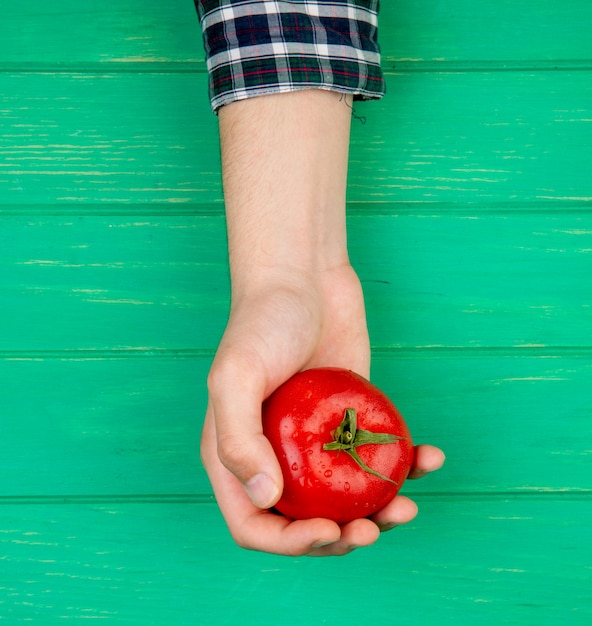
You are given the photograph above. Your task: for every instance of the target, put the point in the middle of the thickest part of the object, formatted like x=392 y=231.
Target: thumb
x=235 y=404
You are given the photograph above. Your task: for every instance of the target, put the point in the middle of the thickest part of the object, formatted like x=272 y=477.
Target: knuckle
x=232 y=452
x=242 y=541
x=298 y=551
x=218 y=376
x=235 y=367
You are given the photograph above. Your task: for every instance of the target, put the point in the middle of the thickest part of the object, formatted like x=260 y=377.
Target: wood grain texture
x=495 y=138
x=117 y=425
x=87 y=138
x=470 y=224
x=72 y=33
x=504 y=32
x=498 y=139
x=492 y=561
x=133 y=31
x=471 y=279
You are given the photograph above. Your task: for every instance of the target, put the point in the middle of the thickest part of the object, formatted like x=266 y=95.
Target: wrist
x=284 y=161
x=287 y=256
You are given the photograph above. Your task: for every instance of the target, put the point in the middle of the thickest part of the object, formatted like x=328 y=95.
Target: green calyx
x=348 y=437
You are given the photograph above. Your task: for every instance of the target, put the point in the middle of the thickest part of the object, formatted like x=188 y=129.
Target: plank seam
x=412 y=66
x=106 y=68
x=391 y=66
x=354 y=208
x=378 y=352
x=208 y=498
x=161 y=209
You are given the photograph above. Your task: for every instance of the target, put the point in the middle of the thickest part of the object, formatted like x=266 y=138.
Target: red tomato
x=308 y=421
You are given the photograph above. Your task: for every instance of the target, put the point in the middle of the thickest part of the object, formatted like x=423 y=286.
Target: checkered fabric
x=257 y=47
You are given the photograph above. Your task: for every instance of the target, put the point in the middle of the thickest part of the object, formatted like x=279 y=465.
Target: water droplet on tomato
x=294 y=467
x=309 y=451
x=328 y=474
x=346 y=486
x=329 y=484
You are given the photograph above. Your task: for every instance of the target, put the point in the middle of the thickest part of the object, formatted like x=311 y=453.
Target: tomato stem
x=348 y=437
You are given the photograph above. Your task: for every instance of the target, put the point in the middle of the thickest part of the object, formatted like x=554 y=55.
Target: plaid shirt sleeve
x=256 y=47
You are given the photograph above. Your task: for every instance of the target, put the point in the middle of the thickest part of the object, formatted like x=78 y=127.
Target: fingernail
x=262 y=491
x=322 y=544
x=389 y=526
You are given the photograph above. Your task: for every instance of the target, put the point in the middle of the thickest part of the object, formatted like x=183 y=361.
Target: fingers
x=401 y=510
x=267 y=532
x=265 y=342
x=427 y=459
x=357 y=534
x=235 y=407
x=254 y=528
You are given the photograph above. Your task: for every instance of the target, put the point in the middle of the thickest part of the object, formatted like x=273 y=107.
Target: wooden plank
x=95 y=138
x=75 y=32
x=472 y=190
x=131 y=426
x=71 y=33
x=493 y=30
x=102 y=426
x=484 y=139
x=113 y=282
x=466 y=138
x=497 y=279
x=506 y=422
x=462 y=561
x=472 y=279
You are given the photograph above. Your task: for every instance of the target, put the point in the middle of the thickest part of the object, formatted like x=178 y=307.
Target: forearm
x=284 y=162
x=296 y=302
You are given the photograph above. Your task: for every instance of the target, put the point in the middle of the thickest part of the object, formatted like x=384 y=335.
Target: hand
x=296 y=304
x=282 y=324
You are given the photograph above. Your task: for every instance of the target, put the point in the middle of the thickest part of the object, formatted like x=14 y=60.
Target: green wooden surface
x=505 y=33
x=160 y=282
x=496 y=139
x=117 y=421
x=66 y=33
x=470 y=223
x=496 y=562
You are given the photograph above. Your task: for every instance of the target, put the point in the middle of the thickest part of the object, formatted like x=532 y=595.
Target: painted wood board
x=498 y=31
x=88 y=138
x=479 y=139
x=491 y=138
x=113 y=425
x=470 y=183
x=71 y=33
x=476 y=280
x=489 y=561
x=157 y=276
x=434 y=278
